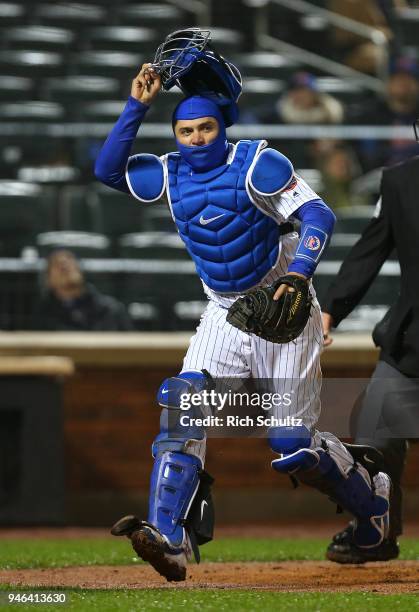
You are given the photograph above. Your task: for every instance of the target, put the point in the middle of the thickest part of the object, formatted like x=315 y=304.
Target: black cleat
x=343 y=550
x=126 y=526
x=153 y=547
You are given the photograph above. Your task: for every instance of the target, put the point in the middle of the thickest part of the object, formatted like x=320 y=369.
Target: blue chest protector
x=232 y=242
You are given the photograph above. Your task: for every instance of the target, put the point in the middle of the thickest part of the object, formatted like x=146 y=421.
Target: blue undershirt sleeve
x=112 y=159
x=317 y=223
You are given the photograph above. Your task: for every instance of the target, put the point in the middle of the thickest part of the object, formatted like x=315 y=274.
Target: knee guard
x=172 y=396
x=172 y=390
x=367 y=500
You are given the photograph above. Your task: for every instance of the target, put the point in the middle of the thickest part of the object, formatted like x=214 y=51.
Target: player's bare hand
x=146 y=84
x=286 y=288
x=327 y=326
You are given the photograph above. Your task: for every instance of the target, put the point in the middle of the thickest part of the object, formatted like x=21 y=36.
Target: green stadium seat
x=164 y=17
x=381 y=293
x=120 y=213
x=267 y=65
x=121 y=65
x=66 y=14
x=163 y=281
x=35 y=148
x=156 y=291
x=106 y=110
x=340 y=245
x=163 y=106
x=259 y=92
x=145 y=316
x=353 y=219
x=32 y=110
x=82 y=244
x=78 y=212
x=15 y=88
x=12 y=13
x=38 y=37
x=59 y=174
x=19 y=288
x=226 y=41
x=363 y=318
x=347 y=90
x=31 y=63
x=187 y=313
x=153 y=245
x=122 y=38
x=21 y=215
x=157 y=218
x=74 y=89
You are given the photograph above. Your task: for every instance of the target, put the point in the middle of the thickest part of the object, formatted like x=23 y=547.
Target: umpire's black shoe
x=343 y=550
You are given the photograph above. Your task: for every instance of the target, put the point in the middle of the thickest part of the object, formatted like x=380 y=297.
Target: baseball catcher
x=234 y=206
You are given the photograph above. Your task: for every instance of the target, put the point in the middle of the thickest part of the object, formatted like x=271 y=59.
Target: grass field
x=51 y=554
x=231 y=601
x=15 y=554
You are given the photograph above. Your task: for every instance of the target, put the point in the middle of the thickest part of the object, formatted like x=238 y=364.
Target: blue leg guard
x=163 y=540
x=176 y=525
x=174 y=483
x=179 y=457
x=352 y=490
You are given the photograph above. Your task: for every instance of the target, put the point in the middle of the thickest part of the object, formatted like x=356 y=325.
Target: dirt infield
x=289 y=576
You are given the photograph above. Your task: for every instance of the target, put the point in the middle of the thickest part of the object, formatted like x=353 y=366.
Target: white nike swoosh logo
x=206 y=221
x=203 y=504
x=368 y=460
x=164 y=391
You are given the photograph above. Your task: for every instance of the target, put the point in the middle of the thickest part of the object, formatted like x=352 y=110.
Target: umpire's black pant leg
x=371 y=429
x=394 y=453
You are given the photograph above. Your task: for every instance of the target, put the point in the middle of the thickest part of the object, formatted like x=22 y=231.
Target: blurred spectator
x=339 y=167
x=71 y=304
x=302 y=103
x=357 y=51
x=401 y=102
x=399 y=106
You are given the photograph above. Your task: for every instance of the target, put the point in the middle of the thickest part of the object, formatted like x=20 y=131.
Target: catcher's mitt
x=277 y=321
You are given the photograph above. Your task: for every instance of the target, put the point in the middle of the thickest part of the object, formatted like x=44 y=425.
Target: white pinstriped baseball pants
x=227 y=352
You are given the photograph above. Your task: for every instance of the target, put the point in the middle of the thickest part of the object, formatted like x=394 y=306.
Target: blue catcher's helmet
x=187 y=59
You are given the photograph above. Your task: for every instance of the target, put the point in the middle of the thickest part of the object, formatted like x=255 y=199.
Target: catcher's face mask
x=187 y=59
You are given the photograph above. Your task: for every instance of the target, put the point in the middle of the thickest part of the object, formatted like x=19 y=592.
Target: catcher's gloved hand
x=277 y=321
